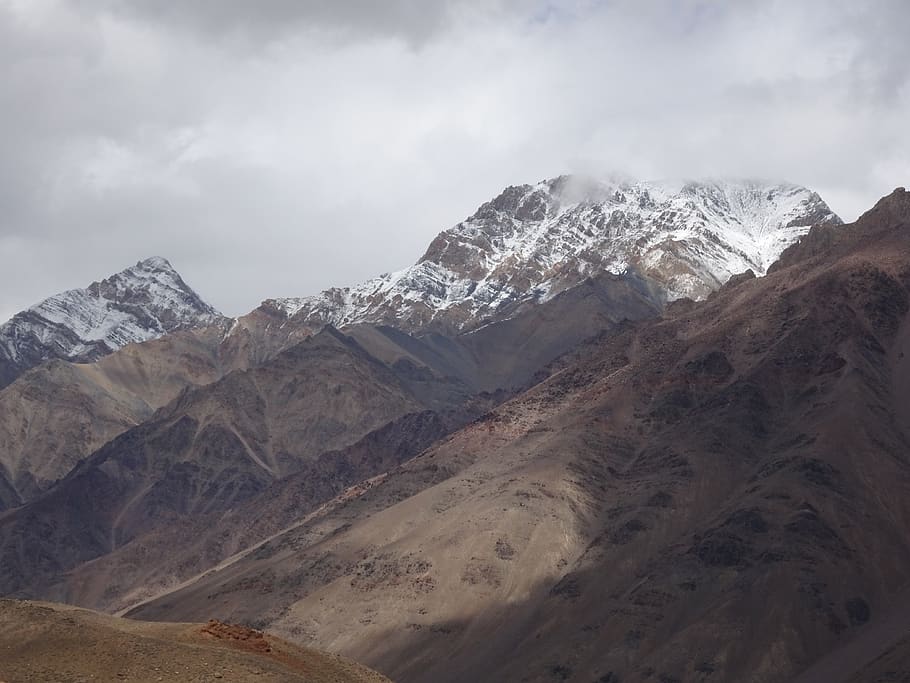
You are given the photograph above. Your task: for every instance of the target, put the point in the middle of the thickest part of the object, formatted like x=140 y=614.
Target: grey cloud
x=343 y=136
x=879 y=69
x=261 y=22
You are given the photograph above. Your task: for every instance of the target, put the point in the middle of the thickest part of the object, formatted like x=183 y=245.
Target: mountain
x=210 y=449
x=55 y=415
x=280 y=430
x=521 y=249
x=236 y=460
x=46 y=642
x=140 y=303
x=720 y=494
x=534 y=241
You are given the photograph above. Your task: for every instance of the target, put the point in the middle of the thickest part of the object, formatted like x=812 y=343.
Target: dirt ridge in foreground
x=49 y=642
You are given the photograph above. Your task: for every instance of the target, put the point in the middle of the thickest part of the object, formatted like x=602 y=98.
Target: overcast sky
x=279 y=147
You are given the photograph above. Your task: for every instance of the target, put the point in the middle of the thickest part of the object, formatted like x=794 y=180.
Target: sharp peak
x=620 y=180
x=144 y=269
x=895 y=205
x=151 y=268
x=154 y=269
x=571 y=189
x=899 y=198
x=153 y=263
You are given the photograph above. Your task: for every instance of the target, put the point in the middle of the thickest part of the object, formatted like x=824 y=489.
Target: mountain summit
x=534 y=241
x=718 y=494
x=140 y=303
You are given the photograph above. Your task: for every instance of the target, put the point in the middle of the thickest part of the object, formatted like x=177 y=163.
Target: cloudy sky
x=279 y=147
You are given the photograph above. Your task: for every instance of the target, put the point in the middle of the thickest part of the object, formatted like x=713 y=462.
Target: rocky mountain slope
x=140 y=303
x=232 y=462
x=533 y=241
x=46 y=642
x=210 y=449
x=55 y=415
x=272 y=439
x=717 y=495
x=529 y=244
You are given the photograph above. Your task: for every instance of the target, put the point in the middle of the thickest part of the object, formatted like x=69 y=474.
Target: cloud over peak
x=277 y=147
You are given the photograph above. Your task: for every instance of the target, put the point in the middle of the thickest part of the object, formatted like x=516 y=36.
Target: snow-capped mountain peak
x=533 y=241
x=142 y=302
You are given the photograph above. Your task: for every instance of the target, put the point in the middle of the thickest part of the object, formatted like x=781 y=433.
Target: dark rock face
x=713 y=364
x=857 y=611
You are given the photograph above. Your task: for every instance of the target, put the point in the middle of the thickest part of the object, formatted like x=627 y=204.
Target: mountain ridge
x=239 y=454
x=521 y=248
x=53 y=642
x=737 y=466
x=140 y=303
x=533 y=241
x=295 y=414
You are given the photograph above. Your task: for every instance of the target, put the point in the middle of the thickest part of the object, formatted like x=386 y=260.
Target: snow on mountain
x=140 y=303
x=533 y=241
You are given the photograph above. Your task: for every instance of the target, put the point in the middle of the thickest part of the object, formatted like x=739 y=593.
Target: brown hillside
x=721 y=495
x=46 y=642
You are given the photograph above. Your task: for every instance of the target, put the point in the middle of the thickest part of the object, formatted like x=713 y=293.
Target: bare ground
x=55 y=643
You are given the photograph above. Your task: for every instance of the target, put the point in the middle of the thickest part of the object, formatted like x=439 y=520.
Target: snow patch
x=140 y=303
x=533 y=241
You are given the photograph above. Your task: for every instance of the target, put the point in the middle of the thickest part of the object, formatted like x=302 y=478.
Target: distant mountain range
x=719 y=494
x=140 y=303
x=534 y=241
x=519 y=249
x=603 y=430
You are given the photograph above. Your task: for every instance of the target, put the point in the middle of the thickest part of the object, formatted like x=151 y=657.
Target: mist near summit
x=278 y=148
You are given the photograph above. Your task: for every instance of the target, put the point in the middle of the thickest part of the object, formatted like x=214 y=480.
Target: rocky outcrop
x=140 y=303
